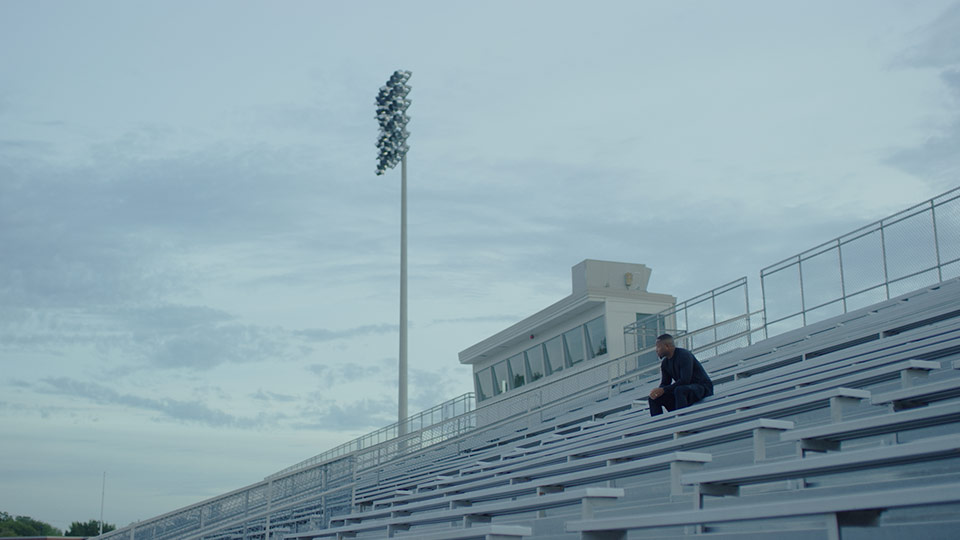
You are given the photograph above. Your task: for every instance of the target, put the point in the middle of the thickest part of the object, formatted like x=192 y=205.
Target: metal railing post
x=843 y=285
x=936 y=239
x=883 y=254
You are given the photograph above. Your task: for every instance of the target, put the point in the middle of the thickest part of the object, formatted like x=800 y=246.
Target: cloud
x=426 y=386
x=165 y=318
x=938 y=47
x=103 y=251
x=936 y=158
x=936 y=44
x=23 y=144
x=164 y=336
x=127 y=225
x=61 y=253
x=340 y=374
x=206 y=347
x=477 y=319
x=377 y=406
x=366 y=414
x=324 y=334
x=168 y=409
x=261 y=395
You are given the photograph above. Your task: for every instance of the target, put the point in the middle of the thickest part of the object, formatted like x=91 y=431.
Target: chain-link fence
x=917 y=247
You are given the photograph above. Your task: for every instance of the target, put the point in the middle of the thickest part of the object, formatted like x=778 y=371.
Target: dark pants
x=678 y=398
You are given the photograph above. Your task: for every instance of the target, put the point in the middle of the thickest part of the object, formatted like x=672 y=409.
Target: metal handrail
x=338 y=453
x=349 y=447
x=844 y=296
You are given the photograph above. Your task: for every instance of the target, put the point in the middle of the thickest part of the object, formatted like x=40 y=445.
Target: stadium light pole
x=103 y=495
x=392 y=104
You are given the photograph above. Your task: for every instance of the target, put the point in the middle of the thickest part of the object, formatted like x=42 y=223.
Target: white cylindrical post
x=402 y=401
x=103 y=493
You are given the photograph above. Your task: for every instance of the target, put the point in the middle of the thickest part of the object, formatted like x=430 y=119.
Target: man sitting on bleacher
x=683 y=381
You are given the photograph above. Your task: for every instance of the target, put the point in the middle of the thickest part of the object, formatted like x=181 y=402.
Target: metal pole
x=843 y=286
x=936 y=240
x=402 y=401
x=803 y=302
x=266 y=526
x=883 y=254
x=103 y=493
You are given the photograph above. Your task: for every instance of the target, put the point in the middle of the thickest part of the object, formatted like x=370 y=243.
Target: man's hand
x=656 y=392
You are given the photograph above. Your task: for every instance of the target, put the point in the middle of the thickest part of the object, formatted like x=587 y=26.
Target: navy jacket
x=683 y=368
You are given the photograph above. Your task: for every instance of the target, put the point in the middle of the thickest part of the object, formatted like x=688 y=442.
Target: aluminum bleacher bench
x=727 y=482
x=728 y=412
x=546 y=478
x=828 y=438
x=671 y=427
x=860 y=374
x=916 y=369
x=470 y=515
x=902 y=366
x=908 y=371
x=589 y=499
x=467 y=462
x=433 y=479
x=906 y=345
x=488 y=532
x=761 y=430
x=862 y=510
x=405 y=484
x=463 y=465
x=540 y=482
x=777 y=406
x=824 y=368
x=816 y=370
x=865 y=325
x=723 y=408
x=492 y=465
x=593 y=470
x=918 y=396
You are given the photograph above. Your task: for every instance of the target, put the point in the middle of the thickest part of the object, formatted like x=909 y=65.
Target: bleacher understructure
x=844 y=428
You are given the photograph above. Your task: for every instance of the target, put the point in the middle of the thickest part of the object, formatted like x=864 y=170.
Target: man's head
x=665 y=346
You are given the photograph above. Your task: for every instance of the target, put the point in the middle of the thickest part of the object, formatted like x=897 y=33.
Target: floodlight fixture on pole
x=392 y=104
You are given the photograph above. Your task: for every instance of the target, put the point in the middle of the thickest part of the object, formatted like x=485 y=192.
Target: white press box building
x=835 y=414
x=569 y=336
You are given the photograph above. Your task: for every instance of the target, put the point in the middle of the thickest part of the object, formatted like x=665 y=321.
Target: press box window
x=484 y=381
x=518 y=373
x=554 y=350
x=573 y=339
x=535 y=362
x=596 y=337
x=501 y=376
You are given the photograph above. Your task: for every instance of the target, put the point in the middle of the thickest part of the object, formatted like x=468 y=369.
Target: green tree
x=90 y=528
x=24 y=526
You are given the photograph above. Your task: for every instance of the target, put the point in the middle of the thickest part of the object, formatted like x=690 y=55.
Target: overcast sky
x=199 y=268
